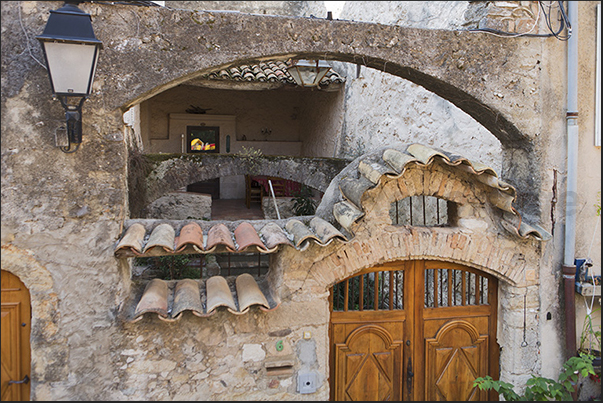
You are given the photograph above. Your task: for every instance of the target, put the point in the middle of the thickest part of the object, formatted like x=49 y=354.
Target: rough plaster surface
x=381 y=109
x=181 y=206
x=61 y=213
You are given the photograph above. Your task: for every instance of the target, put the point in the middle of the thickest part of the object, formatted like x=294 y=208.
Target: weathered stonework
x=63 y=213
x=170 y=173
x=181 y=206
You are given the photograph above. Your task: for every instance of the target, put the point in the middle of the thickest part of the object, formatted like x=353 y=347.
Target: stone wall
x=63 y=213
x=181 y=206
x=168 y=173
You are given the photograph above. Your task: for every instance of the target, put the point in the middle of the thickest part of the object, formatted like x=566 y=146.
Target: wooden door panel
x=10 y=350
x=368 y=364
x=455 y=356
x=439 y=334
x=15 y=338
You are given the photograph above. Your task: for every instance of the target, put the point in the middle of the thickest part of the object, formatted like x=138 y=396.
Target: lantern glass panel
x=308 y=75
x=71 y=67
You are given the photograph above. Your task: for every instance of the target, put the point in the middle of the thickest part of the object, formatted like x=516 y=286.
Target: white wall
x=382 y=109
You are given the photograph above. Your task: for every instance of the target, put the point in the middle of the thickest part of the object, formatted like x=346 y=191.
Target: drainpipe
x=569 y=266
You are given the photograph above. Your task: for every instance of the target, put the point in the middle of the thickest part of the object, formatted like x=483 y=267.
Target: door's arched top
x=458 y=324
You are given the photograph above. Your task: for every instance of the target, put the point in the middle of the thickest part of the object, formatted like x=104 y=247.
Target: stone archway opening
x=256 y=112
x=157 y=125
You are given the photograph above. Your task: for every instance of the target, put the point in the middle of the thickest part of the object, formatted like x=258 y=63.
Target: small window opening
x=200 y=266
x=420 y=211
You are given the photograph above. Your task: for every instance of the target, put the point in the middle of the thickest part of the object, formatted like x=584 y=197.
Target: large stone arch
x=450 y=64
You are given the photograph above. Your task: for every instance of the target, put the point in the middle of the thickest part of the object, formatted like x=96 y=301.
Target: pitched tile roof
x=270 y=71
x=391 y=162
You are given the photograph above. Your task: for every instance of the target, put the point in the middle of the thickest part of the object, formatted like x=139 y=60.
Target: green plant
x=543 y=389
x=590 y=338
x=303 y=203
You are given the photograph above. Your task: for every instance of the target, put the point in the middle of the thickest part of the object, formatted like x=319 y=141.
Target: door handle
x=409 y=375
x=25 y=380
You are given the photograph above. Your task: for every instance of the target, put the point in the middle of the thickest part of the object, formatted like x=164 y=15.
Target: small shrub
x=543 y=389
x=304 y=204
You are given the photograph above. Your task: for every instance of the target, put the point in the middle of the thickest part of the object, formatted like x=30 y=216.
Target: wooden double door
x=414 y=330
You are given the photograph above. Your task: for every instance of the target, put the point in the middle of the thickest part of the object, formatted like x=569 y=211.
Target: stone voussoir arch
x=488 y=254
x=450 y=64
x=199 y=42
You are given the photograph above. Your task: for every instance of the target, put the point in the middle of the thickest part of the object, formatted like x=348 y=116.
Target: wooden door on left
x=16 y=325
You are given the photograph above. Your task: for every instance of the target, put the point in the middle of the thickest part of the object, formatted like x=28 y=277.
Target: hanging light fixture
x=308 y=73
x=71 y=52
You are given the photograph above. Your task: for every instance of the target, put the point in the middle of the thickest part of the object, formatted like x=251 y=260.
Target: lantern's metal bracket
x=73 y=120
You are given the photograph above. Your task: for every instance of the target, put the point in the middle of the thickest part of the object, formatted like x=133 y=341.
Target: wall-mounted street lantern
x=308 y=73
x=71 y=52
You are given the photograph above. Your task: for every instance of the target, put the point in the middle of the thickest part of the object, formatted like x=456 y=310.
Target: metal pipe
x=569 y=267
x=278 y=214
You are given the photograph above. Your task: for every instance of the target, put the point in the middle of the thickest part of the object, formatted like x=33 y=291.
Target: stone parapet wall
x=181 y=206
x=285 y=207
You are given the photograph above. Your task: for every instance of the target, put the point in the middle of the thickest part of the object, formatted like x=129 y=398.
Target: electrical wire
x=564 y=24
x=27 y=39
x=564 y=21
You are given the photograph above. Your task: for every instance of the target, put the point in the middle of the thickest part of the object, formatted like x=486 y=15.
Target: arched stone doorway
x=419 y=330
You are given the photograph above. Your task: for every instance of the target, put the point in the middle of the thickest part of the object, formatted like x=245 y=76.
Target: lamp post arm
x=73 y=120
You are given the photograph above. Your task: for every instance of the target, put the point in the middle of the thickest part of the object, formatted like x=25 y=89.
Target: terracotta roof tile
x=218 y=294
x=157 y=237
x=154 y=299
x=249 y=293
x=274 y=237
x=220 y=235
x=187 y=297
x=247 y=238
x=161 y=237
x=271 y=71
x=169 y=300
x=190 y=234
x=133 y=239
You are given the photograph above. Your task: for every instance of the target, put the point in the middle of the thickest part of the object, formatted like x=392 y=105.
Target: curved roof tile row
x=271 y=71
x=157 y=237
x=162 y=239
x=393 y=163
x=169 y=300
